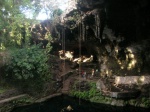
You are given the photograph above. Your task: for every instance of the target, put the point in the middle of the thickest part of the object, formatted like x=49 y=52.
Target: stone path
x=69 y=81
x=66 y=85
x=68 y=75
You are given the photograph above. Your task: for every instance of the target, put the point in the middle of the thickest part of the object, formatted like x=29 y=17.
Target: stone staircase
x=66 y=85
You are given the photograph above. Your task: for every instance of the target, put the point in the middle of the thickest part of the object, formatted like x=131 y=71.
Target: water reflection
x=69 y=104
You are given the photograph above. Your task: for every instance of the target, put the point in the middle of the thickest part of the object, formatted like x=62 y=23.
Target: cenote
x=60 y=103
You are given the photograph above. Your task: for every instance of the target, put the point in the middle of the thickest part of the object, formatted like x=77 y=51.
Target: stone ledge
x=12 y=98
x=47 y=97
x=138 y=80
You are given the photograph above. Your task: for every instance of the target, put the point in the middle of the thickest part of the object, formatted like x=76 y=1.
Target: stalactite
x=97 y=22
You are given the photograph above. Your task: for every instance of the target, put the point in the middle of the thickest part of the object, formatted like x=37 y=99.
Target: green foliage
x=92 y=92
x=15 y=26
x=29 y=62
x=48 y=48
x=2 y=90
x=146 y=102
x=57 y=12
x=29 y=67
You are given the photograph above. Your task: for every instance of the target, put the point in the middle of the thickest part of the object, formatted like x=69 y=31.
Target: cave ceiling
x=129 y=18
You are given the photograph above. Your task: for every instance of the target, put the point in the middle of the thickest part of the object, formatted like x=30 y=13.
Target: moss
x=2 y=90
x=142 y=102
x=98 y=99
x=146 y=102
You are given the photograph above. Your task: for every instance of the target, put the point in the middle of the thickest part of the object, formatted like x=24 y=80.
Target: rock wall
x=115 y=32
x=129 y=80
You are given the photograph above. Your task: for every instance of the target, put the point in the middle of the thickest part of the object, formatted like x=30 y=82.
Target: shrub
x=86 y=94
x=28 y=66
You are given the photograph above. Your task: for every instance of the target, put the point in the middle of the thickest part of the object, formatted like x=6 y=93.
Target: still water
x=60 y=104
